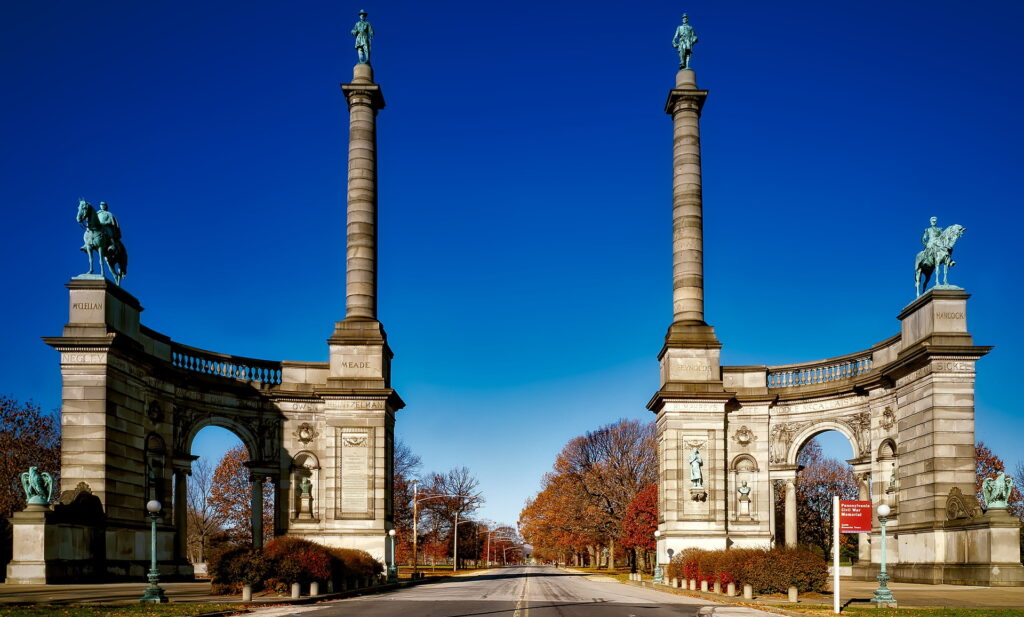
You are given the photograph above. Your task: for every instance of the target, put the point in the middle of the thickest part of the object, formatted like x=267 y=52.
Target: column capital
x=363 y=94
x=685 y=98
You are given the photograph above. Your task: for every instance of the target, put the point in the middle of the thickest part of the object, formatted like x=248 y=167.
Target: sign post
x=847 y=517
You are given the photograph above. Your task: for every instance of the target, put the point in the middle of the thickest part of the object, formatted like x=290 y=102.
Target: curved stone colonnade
x=134 y=400
x=906 y=405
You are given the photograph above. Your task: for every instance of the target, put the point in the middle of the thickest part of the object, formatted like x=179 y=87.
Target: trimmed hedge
x=767 y=571
x=287 y=560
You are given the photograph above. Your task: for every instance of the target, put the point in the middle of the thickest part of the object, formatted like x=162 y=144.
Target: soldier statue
x=684 y=40
x=103 y=236
x=363 y=32
x=938 y=253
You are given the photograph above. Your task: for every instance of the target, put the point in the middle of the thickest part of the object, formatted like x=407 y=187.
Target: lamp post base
x=883 y=597
x=155 y=594
x=659 y=574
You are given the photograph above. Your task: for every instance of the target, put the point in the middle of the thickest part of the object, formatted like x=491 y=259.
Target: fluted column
x=684 y=104
x=790 y=513
x=364 y=99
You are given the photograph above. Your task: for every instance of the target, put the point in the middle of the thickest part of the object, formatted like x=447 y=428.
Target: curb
x=326 y=597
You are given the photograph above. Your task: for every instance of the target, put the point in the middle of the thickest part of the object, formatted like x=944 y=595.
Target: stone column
x=181 y=514
x=257 y=510
x=364 y=99
x=864 y=539
x=790 y=512
x=684 y=104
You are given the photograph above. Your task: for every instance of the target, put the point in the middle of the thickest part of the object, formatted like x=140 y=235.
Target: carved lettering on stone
x=356 y=472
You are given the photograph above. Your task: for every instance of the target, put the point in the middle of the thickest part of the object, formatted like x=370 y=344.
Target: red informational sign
x=854 y=516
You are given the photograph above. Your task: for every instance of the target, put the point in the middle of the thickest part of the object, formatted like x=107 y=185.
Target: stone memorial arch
x=728 y=435
x=322 y=433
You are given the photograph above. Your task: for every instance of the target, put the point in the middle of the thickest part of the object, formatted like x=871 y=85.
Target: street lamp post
x=153 y=591
x=659 y=575
x=883 y=596
x=393 y=569
x=415 y=521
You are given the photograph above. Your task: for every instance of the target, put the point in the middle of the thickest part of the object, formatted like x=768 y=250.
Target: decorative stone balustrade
x=224 y=365
x=819 y=372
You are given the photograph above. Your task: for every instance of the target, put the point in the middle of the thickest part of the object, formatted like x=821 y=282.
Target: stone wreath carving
x=960 y=506
x=744 y=436
x=355 y=441
x=306 y=433
x=888 y=418
x=154 y=412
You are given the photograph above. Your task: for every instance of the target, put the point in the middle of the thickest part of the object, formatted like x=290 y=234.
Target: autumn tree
x=231 y=497
x=640 y=523
x=406 y=466
x=583 y=501
x=454 y=495
x=204 y=520
x=818 y=481
x=988 y=465
x=28 y=437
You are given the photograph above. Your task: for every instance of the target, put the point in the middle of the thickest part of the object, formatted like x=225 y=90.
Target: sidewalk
x=859 y=593
x=129 y=593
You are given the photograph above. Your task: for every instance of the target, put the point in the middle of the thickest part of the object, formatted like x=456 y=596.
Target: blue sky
x=525 y=199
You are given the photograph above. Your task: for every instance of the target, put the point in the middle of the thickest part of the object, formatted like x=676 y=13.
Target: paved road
x=530 y=591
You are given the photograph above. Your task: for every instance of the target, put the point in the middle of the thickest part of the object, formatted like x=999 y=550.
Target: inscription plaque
x=355 y=460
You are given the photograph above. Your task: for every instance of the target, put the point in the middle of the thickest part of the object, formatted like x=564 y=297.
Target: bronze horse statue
x=938 y=253
x=105 y=239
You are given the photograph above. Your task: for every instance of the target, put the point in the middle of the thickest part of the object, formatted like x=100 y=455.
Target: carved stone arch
x=806 y=433
x=887 y=449
x=745 y=462
x=193 y=423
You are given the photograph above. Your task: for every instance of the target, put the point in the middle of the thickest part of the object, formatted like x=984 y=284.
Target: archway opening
x=823 y=472
x=221 y=496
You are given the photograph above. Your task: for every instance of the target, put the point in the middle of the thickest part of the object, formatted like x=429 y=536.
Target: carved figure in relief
x=103 y=235
x=684 y=40
x=363 y=32
x=937 y=253
x=696 y=477
x=38 y=486
x=996 y=491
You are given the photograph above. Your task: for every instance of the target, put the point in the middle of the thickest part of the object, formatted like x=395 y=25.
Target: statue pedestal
x=306 y=507
x=28 y=564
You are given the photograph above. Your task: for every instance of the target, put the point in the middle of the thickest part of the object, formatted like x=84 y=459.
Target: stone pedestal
x=28 y=564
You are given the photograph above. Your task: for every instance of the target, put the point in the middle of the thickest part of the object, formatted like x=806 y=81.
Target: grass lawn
x=132 y=610
x=870 y=611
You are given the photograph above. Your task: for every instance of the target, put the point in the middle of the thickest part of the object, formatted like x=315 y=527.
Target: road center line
x=523 y=603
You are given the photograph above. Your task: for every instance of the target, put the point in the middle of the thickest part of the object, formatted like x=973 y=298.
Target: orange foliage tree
x=988 y=465
x=583 y=501
x=640 y=523
x=231 y=497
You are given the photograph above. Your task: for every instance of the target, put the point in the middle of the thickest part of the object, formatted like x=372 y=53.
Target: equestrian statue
x=103 y=235
x=938 y=251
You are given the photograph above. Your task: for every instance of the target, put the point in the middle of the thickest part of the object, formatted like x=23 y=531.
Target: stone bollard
x=730 y=589
x=693 y=584
x=296 y=590
x=748 y=592
x=718 y=587
x=246 y=593
x=314 y=588
x=793 y=595
x=704 y=586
